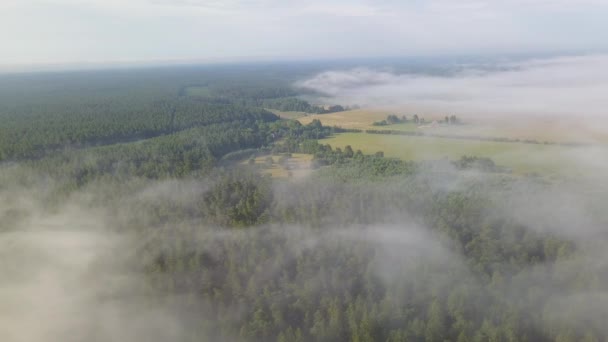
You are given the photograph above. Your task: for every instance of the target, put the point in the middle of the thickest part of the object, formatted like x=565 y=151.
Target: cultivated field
x=547 y=155
x=521 y=158
x=360 y=118
x=541 y=129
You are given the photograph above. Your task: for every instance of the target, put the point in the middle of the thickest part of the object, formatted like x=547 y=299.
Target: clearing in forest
x=295 y=165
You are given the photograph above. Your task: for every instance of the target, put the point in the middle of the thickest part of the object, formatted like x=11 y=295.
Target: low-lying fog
x=67 y=272
x=560 y=86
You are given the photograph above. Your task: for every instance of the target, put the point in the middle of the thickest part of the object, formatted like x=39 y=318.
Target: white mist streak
x=64 y=278
x=563 y=86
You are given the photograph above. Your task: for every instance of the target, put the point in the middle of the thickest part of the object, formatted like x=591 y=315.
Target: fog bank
x=555 y=86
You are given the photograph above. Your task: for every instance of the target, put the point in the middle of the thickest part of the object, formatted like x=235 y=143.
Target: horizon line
x=75 y=66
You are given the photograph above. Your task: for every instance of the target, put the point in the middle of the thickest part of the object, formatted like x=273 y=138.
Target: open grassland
x=541 y=129
x=297 y=166
x=364 y=119
x=549 y=160
x=538 y=129
x=359 y=119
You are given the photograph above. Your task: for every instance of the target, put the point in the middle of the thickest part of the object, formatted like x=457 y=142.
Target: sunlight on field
x=540 y=129
x=360 y=118
x=522 y=158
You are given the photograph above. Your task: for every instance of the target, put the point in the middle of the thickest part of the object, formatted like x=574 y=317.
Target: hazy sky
x=65 y=31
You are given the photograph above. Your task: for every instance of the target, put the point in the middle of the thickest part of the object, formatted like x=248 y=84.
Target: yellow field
x=360 y=118
x=540 y=129
x=551 y=160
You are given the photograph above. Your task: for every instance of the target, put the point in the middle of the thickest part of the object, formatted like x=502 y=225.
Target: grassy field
x=549 y=160
x=298 y=166
x=360 y=118
x=364 y=118
x=540 y=129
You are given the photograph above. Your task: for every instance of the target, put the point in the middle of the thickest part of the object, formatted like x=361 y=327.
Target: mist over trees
x=128 y=206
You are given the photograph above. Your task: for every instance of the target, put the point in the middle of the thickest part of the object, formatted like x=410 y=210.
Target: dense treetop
x=366 y=248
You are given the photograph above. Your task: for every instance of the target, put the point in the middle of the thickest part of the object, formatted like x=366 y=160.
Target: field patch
x=549 y=160
x=359 y=119
x=294 y=166
x=538 y=129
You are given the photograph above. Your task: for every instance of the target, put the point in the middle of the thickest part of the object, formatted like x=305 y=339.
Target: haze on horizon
x=93 y=32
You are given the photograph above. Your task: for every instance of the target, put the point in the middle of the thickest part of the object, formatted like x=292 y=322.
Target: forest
x=129 y=213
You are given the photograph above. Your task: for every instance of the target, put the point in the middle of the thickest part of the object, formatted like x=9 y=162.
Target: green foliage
x=391 y=119
x=238 y=201
x=174 y=155
x=40 y=129
x=333 y=282
x=367 y=248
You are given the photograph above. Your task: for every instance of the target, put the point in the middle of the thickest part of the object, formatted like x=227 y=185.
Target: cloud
x=66 y=276
x=333 y=8
x=284 y=8
x=94 y=30
x=564 y=86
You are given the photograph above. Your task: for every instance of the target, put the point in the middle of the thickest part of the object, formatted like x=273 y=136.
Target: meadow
x=536 y=128
x=358 y=119
x=541 y=148
x=521 y=158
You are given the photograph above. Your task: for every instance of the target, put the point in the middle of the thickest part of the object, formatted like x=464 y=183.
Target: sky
x=106 y=31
